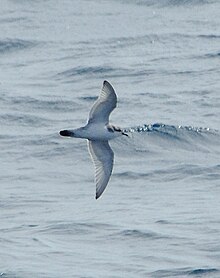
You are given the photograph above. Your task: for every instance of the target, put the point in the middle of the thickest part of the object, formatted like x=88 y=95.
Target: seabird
x=98 y=131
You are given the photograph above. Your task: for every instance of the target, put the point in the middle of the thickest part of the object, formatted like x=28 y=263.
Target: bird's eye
x=117 y=128
x=110 y=129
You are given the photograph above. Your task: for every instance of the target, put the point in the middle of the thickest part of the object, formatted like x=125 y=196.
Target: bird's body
x=98 y=131
x=94 y=131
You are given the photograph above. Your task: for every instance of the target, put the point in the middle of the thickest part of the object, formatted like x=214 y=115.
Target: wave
x=180 y=153
x=23 y=120
x=10 y=275
x=10 y=45
x=136 y=234
x=75 y=228
x=212 y=55
x=168 y=129
x=86 y=70
x=182 y=135
x=54 y=104
x=170 y=3
x=152 y=139
x=186 y=272
x=209 y=36
x=99 y=72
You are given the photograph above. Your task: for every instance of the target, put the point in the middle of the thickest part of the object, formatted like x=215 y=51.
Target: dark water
x=159 y=216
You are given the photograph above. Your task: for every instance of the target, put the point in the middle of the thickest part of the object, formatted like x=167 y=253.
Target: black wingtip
x=97 y=196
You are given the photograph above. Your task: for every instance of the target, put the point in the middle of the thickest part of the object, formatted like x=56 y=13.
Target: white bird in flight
x=98 y=131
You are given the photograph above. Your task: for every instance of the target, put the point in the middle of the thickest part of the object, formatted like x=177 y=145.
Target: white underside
x=97 y=132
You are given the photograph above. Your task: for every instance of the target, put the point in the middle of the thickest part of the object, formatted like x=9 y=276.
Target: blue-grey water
x=160 y=214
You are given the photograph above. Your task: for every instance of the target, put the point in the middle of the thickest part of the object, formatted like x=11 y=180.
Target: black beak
x=65 y=133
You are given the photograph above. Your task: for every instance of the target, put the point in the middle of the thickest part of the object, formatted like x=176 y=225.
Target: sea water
x=159 y=215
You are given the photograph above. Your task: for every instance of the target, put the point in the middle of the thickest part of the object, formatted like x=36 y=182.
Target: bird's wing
x=104 y=105
x=103 y=157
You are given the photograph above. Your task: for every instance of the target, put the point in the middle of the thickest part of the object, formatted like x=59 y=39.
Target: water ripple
x=10 y=45
x=170 y=3
x=186 y=272
x=138 y=234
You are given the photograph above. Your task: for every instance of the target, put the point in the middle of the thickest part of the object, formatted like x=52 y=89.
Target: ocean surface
x=160 y=213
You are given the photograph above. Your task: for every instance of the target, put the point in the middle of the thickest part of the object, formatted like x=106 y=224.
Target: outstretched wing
x=104 y=105
x=103 y=157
